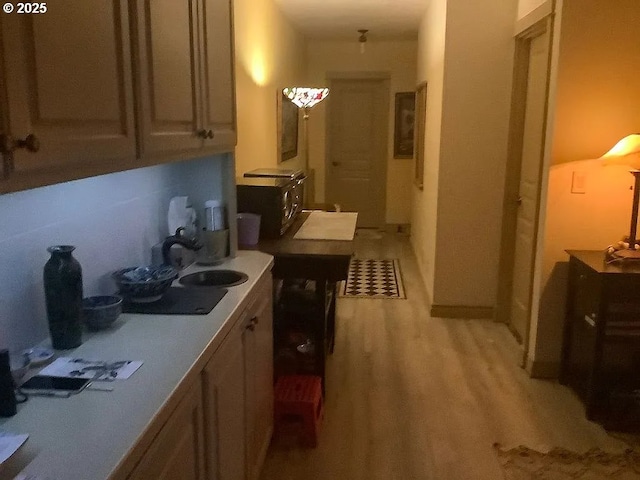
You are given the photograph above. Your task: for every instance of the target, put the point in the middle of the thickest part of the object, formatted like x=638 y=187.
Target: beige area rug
x=523 y=463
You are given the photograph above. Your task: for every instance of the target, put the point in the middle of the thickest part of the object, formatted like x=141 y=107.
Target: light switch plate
x=578 y=182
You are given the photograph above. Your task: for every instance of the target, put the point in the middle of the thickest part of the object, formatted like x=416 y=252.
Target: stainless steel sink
x=214 y=278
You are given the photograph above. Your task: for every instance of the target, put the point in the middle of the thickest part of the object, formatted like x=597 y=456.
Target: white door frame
x=512 y=177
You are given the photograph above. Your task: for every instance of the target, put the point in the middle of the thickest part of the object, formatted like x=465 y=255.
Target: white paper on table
x=74 y=367
x=328 y=226
x=10 y=443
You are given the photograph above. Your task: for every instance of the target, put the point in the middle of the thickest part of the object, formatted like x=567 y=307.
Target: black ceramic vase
x=63 y=294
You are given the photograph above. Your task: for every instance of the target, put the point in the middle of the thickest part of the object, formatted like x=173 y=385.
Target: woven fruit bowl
x=144 y=284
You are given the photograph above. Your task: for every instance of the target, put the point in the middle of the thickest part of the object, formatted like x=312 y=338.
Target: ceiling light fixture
x=362 y=39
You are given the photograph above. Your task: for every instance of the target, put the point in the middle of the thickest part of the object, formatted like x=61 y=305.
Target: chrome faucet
x=180 y=239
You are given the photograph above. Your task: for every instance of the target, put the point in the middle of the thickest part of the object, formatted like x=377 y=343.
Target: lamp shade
x=305 y=97
x=625 y=152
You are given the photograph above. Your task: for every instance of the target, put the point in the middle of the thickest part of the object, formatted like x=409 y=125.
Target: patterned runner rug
x=369 y=278
x=522 y=463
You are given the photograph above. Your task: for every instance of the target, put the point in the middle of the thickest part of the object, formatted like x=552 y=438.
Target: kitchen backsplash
x=113 y=220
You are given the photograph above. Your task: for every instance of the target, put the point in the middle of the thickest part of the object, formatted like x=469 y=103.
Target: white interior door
x=529 y=187
x=357 y=122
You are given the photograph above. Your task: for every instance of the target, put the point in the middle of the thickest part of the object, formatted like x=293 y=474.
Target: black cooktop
x=180 y=301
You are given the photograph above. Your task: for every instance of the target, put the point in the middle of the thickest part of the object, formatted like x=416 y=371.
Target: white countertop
x=86 y=436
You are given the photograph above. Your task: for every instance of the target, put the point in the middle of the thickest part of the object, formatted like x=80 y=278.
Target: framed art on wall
x=404 y=125
x=287 y=128
x=420 y=120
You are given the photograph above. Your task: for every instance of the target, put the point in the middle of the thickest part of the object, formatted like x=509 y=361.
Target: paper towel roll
x=180 y=214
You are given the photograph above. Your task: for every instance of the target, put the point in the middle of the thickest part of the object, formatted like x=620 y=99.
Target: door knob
x=209 y=133
x=519 y=201
x=335 y=164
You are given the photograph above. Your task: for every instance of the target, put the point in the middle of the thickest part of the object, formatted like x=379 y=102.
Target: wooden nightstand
x=601 y=343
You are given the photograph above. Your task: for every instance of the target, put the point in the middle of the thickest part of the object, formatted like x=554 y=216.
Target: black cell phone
x=45 y=384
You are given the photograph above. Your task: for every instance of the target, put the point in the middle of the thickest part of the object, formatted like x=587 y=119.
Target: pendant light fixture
x=362 y=39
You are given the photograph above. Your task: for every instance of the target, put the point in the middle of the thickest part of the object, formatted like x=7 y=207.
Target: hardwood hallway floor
x=415 y=397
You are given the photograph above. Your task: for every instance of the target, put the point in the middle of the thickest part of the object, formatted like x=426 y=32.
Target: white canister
x=214 y=215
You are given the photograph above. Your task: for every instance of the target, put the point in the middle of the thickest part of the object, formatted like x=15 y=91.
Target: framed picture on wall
x=288 y=118
x=405 y=114
x=420 y=121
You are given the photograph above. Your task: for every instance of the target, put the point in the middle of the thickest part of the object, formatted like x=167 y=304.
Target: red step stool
x=298 y=401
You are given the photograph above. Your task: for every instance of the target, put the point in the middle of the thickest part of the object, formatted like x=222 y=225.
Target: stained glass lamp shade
x=305 y=97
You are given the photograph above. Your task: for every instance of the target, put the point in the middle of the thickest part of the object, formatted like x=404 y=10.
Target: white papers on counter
x=328 y=226
x=10 y=443
x=74 y=367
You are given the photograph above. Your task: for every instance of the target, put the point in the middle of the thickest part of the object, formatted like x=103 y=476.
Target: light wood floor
x=414 y=397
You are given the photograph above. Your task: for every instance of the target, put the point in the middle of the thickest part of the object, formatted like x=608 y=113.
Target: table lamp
x=627 y=152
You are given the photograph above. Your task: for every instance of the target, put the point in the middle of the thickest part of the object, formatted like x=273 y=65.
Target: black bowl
x=101 y=311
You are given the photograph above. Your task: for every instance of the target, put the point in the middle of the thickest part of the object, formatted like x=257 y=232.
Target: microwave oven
x=278 y=201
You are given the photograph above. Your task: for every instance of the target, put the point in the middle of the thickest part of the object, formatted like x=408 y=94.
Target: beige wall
x=525 y=7
x=398 y=59
x=476 y=90
x=598 y=77
x=270 y=54
x=596 y=104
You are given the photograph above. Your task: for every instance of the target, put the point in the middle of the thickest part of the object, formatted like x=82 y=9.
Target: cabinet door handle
x=202 y=133
x=8 y=144
x=252 y=324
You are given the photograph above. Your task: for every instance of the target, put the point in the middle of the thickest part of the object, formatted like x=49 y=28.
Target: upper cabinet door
x=67 y=87
x=169 y=87
x=217 y=72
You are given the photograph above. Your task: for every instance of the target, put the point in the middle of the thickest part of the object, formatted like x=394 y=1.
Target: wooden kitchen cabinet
x=184 y=55
x=177 y=452
x=66 y=85
x=217 y=73
x=224 y=400
x=238 y=393
x=258 y=347
x=88 y=88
